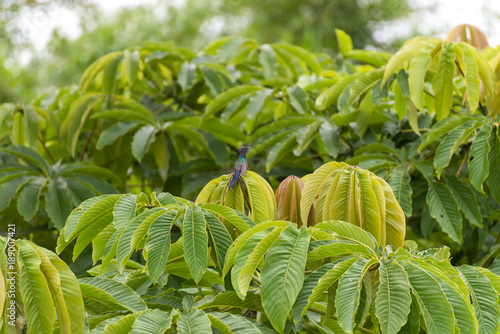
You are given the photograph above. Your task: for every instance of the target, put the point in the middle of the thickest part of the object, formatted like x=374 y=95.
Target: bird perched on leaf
x=240 y=166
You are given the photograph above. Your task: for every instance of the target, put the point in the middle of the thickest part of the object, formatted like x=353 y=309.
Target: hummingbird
x=240 y=166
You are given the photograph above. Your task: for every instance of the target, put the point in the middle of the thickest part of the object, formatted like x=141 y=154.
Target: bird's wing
x=243 y=169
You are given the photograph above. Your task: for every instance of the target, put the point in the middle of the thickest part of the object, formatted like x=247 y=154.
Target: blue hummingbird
x=240 y=166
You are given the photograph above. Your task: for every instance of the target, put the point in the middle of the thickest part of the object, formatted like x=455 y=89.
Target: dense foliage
x=419 y=132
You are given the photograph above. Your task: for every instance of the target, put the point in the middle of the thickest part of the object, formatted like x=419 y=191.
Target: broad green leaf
x=329 y=278
x=399 y=180
x=225 y=98
x=111 y=134
x=283 y=274
x=412 y=116
x=31 y=127
x=220 y=238
x=493 y=179
x=142 y=140
x=437 y=311
x=232 y=323
x=306 y=136
x=362 y=85
x=330 y=135
x=230 y=299
x=444 y=208
x=195 y=241
x=162 y=154
x=484 y=299
x=466 y=200
x=331 y=95
x=37 y=299
x=443 y=82
x=58 y=204
x=348 y=294
x=241 y=222
x=30 y=156
x=442 y=128
x=298 y=99
x=302 y=55
x=118 y=325
x=451 y=142
x=27 y=204
x=158 y=244
x=152 y=322
x=392 y=305
x=344 y=42
x=248 y=267
x=478 y=157
x=256 y=103
x=404 y=55
x=109 y=75
x=348 y=231
x=123 y=295
x=194 y=322
x=416 y=73
x=472 y=83
x=267 y=59
x=130 y=66
x=280 y=150
x=124 y=210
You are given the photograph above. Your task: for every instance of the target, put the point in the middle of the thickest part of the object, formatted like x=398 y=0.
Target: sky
x=37 y=24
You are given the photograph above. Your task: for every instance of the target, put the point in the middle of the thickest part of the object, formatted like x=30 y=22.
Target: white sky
x=38 y=24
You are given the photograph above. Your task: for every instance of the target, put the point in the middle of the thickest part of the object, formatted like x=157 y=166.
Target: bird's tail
x=236 y=175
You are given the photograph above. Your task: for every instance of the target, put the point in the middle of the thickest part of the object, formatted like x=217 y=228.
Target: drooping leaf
x=142 y=140
x=399 y=180
x=443 y=82
x=195 y=241
x=58 y=203
x=225 y=98
x=478 y=157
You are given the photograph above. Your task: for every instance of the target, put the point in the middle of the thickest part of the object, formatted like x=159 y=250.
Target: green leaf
x=27 y=204
x=443 y=82
x=348 y=294
x=344 y=42
x=437 y=311
x=194 y=322
x=451 y=142
x=472 y=83
x=239 y=221
x=31 y=128
x=30 y=156
x=416 y=74
x=493 y=179
x=361 y=86
x=111 y=134
x=280 y=150
x=109 y=75
x=399 y=180
x=152 y=322
x=195 y=241
x=484 y=299
x=230 y=299
x=225 y=98
x=407 y=51
x=392 y=305
x=444 y=208
x=298 y=99
x=130 y=66
x=337 y=248
x=442 y=128
x=58 y=204
x=478 y=158
x=142 y=140
x=466 y=200
x=120 y=324
x=162 y=154
x=268 y=61
x=330 y=135
x=283 y=274
x=302 y=55
x=37 y=299
x=306 y=136
x=220 y=237
x=231 y=323
x=412 y=116
x=349 y=231
x=331 y=95
x=158 y=244
x=123 y=295
x=124 y=210
x=256 y=103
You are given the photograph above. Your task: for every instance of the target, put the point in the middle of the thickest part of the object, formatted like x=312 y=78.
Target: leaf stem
x=462 y=164
x=88 y=141
x=46 y=150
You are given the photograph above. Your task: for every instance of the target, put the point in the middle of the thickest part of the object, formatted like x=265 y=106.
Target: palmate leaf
x=478 y=157
x=436 y=309
x=444 y=208
x=393 y=298
x=416 y=73
x=493 y=179
x=194 y=322
x=283 y=274
x=443 y=82
x=225 y=98
x=158 y=244
x=347 y=298
x=484 y=299
x=451 y=142
x=466 y=200
x=37 y=299
x=195 y=241
x=231 y=323
x=121 y=293
x=399 y=180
